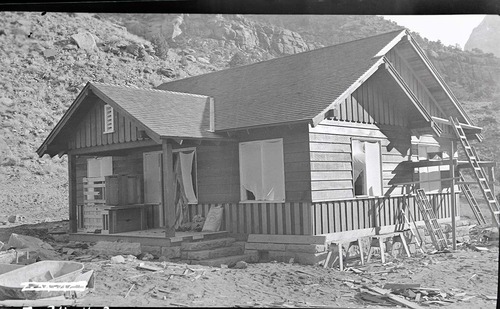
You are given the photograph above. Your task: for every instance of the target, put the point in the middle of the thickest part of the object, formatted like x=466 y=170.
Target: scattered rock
x=240 y=265
x=84 y=40
x=168 y=72
x=147 y=257
x=191 y=58
x=50 y=54
x=203 y=60
x=16 y=218
x=118 y=259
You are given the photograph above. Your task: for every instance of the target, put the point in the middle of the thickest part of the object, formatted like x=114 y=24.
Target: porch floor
x=151 y=237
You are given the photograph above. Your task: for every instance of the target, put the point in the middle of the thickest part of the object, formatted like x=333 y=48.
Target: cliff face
x=45 y=60
x=485 y=37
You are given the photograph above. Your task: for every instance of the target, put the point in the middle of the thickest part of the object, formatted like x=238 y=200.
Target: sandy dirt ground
x=464 y=278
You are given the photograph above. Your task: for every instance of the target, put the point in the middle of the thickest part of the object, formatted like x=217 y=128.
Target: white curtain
x=273 y=188
x=358 y=158
x=262 y=170
x=100 y=167
x=186 y=160
x=251 y=170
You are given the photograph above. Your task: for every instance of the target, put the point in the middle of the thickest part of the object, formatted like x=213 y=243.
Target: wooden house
x=326 y=142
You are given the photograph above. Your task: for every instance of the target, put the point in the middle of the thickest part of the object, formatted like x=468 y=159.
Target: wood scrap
x=145 y=266
x=400 y=286
x=126 y=295
x=395 y=298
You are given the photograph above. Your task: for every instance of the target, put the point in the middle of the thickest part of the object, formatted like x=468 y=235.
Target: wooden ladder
x=425 y=208
x=479 y=173
x=472 y=201
x=415 y=233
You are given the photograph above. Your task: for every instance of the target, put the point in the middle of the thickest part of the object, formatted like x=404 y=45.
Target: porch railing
x=306 y=218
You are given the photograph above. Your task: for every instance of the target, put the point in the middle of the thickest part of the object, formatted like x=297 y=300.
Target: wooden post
x=73 y=224
x=453 y=199
x=168 y=189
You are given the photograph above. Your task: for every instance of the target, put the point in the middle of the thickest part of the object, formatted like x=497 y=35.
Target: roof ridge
x=282 y=57
x=149 y=89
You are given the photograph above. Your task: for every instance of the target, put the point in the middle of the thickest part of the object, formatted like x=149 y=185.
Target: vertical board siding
x=353 y=214
x=371 y=104
x=89 y=131
x=260 y=218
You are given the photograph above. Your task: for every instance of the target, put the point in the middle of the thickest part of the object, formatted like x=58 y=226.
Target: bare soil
x=467 y=277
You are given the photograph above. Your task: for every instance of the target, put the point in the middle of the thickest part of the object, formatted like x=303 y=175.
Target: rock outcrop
x=485 y=36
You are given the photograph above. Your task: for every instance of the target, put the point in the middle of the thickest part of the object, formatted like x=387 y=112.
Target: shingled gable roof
x=164 y=114
x=295 y=88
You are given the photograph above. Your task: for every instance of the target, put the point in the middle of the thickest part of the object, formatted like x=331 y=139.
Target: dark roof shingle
x=168 y=114
x=288 y=89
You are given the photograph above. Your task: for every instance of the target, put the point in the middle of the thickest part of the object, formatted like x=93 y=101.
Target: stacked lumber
x=303 y=249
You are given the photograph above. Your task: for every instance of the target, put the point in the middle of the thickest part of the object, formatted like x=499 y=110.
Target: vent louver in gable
x=108 y=119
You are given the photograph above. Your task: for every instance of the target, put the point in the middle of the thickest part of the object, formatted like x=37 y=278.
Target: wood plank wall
x=261 y=218
x=89 y=131
x=331 y=157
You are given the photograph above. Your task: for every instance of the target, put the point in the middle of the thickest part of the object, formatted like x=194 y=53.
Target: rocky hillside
x=485 y=36
x=45 y=60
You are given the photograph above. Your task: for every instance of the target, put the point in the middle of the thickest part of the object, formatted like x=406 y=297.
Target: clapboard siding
x=331 y=157
x=89 y=130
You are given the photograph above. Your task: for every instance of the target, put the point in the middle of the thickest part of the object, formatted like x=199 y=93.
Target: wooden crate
x=91 y=217
x=123 y=189
x=94 y=190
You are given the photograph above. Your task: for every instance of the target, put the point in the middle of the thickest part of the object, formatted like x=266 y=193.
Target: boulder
x=168 y=72
x=240 y=265
x=85 y=40
x=36 y=246
x=118 y=259
x=116 y=248
x=50 y=53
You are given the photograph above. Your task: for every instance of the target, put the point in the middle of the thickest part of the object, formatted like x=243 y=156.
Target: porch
x=336 y=217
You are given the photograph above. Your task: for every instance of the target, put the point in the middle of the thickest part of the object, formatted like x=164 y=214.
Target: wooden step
x=207 y=244
x=212 y=253
x=217 y=262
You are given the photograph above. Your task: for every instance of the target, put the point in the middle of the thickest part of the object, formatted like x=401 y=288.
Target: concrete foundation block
x=306 y=248
x=154 y=250
x=265 y=246
x=171 y=252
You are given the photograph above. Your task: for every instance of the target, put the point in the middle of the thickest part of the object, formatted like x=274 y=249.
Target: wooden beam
x=72 y=202
x=453 y=198
x=112 y=147
x=426 y=163
x=422 y=181
x=470 y=128
x=168 y=189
